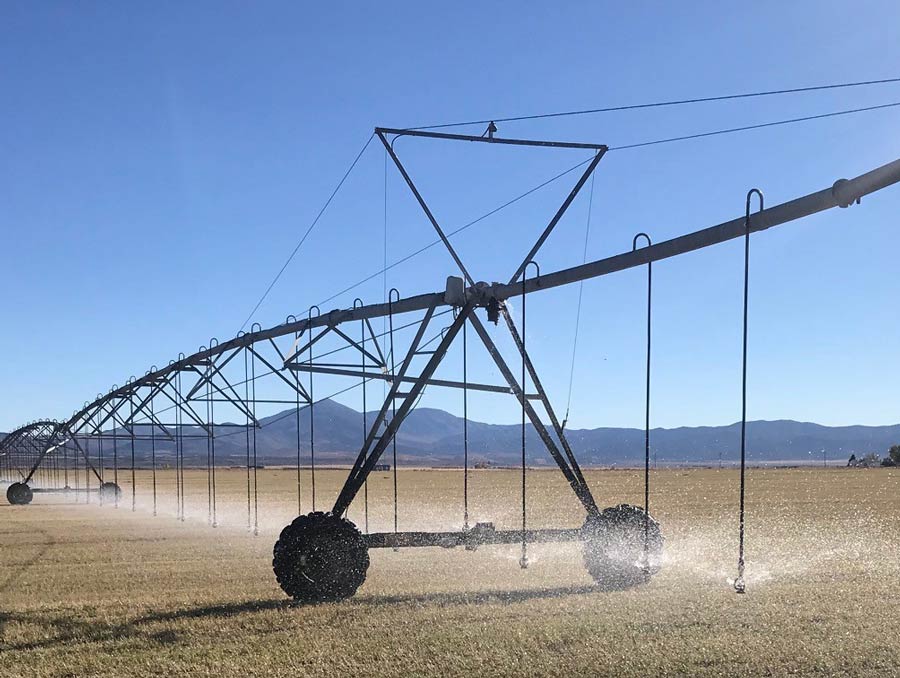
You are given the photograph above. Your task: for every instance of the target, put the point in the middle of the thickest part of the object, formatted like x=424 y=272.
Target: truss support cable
x=387 y=267
x=418 y=196
x=587 y=235
x=645 y=559
x=762 y=125
x=739 y=583
x=659 y=104
x=308 y=231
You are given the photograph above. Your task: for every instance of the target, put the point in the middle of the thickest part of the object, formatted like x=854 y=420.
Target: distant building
x=381 y=467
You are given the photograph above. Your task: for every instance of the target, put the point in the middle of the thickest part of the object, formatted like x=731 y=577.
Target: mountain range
x=433 y=437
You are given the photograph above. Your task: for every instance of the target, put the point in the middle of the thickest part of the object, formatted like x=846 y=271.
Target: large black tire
x=614 y=547
x=320 y=557
x=110 y=492
x=19 y=494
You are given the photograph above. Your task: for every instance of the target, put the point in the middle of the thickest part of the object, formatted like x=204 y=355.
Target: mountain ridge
x=434 y=437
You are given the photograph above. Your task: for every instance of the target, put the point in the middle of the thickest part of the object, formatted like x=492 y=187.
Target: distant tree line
x=874 y=459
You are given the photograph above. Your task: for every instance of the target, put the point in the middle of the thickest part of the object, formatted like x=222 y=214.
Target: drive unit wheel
x=19 y=494
x=614 y=547
x=320 y=557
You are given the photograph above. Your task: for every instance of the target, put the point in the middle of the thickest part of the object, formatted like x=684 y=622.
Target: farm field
x=87 y=590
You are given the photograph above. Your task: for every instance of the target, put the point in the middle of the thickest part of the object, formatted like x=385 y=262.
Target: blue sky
x=161 y=160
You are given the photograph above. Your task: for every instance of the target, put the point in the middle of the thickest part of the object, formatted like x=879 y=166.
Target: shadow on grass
x=19 y=569
x=69 y=628
x=489 y=596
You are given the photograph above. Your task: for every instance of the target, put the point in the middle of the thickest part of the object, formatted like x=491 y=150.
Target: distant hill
x=432 y=437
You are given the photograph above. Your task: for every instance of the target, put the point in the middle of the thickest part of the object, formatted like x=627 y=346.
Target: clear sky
x=160 y=160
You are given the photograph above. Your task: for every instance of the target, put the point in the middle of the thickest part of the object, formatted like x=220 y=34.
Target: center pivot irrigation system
x=323 y=555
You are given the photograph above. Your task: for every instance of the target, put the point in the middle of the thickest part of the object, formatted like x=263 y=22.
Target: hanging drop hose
x=100 y=458
x=523 y=561
x=179 y=448
x=209 y=488
x=133 y=475
x=247 y=435
x=739 y=583
x=362 y=343
x=587 y=235
x=645 y=558
x=212 y=430
x=393 y=399
x=75 y=469
x=255 y=465
x=152 y=453
x=312 y=421
x=115 y=460
x=181 y=451
x=465 y=426
x=291 y=318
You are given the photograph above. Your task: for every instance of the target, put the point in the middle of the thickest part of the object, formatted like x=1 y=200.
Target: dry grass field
x=90 y=590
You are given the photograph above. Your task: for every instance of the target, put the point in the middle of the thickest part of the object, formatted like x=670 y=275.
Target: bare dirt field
x=87 y=590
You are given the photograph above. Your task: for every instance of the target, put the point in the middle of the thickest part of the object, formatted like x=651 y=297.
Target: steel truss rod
x=470 y=538
x=236 y=402
x=214 y=367
x=155 y=422
x=117 y=418
x=49 y=447
x=296 y=386
x=111 y=414
x=582 y=491
x=359 y=348
x=367 y=459
x=297 y=349
x=362 y=466
x=415 y=191
x=489 y=388
x=842 y=194
x=39 y=444
x=559 y=214
x=490 y=139
x=182 y=406
x=542 y=394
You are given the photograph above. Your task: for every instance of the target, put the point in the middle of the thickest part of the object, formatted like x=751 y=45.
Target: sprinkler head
x=644 y=564
x=493 y=311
